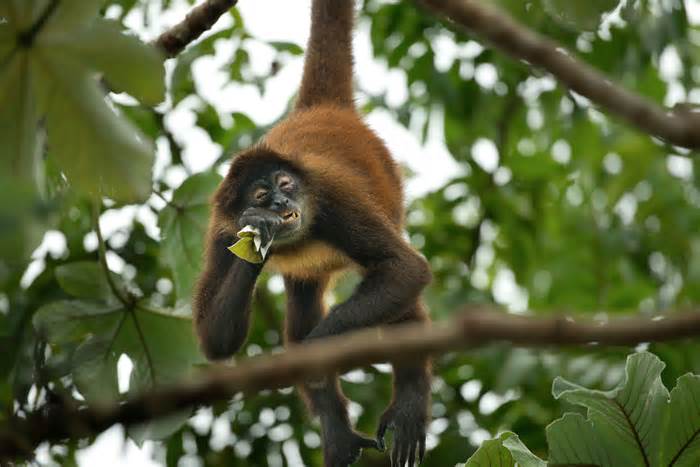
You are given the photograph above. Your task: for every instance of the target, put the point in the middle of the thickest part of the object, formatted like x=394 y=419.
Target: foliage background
x=553 y=207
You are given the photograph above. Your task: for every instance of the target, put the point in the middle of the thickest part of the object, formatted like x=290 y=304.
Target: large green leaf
x=75 y=320
x=183 y=225
x=22 y=220
x=629 y=419
x=20 y=136
x=97 y=150
x=161 y=346
x=682 y=437
x=127 y=63
x=165 y=354
x=95 y=370
x=574 y=441
x=84 y=279
x=505 y=451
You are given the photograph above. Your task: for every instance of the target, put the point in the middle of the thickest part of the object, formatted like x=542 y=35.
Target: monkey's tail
x=328 y=69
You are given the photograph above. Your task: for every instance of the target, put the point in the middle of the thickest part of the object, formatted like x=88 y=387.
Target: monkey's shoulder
x=308 y=259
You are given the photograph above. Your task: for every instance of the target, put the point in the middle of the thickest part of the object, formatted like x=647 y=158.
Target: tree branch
x=495 y=26
x=470 y=328
x=200 y=19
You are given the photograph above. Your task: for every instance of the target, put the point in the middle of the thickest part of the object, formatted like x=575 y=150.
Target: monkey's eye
x=260 y=194
x=285 y=182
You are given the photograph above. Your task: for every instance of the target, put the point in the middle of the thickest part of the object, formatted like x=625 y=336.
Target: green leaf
x=21 y=140
x=161 y=346
x=166 y=353
x=183 y=225
x=629 y=418
x=572 y=440
x=522 y=455
x=22 y=220
x=84 y=279
x=682 y=439
x=95 y=370
x=72 y=14
x=504 y=451
x=128 y=64
x=160 y=428
x=581 y=15
x=289 y=47
x=74 y=320
x=98 y=151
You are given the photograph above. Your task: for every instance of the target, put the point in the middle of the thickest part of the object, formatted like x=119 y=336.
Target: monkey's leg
x=407 y=415
x=341 y=445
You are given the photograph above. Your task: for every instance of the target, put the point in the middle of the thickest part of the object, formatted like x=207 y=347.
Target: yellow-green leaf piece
x=245 y=249
x=248 y=248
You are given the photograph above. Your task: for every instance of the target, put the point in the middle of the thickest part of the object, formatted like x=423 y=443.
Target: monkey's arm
x=222 y=300
x=394 y=277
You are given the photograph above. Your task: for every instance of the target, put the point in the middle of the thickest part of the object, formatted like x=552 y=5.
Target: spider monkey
x=324 y=188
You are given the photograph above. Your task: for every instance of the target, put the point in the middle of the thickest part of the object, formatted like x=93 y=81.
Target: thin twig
x=496 y=27
x=470 y=328
x=102 y=253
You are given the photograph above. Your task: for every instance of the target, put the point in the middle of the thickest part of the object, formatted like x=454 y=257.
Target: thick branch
x=200 y=19
x=470 y=328
x=680 y=129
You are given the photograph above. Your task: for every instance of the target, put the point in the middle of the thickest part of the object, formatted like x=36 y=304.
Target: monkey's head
x=262 y=179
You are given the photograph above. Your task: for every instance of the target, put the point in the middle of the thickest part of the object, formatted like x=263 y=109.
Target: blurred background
x=519 y=192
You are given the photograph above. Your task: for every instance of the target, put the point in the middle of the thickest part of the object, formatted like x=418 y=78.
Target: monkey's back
x=335 y=143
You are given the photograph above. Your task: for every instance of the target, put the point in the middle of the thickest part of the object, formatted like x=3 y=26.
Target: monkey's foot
x=343 y=446
x=408 y=424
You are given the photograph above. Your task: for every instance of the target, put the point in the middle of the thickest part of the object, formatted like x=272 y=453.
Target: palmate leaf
x=183 y=225
x=630 y=418
x=505 y=451
x=56 y=77
x=160 y=344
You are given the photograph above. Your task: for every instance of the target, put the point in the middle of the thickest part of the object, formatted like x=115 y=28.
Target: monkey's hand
x=407 y=418
x=267 y=222
x=342 y=445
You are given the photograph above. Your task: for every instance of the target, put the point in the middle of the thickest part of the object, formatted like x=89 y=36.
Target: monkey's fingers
x=381 y=432
x=394 y=456
x=412 y=455
x=365 y=442
x=421 y=449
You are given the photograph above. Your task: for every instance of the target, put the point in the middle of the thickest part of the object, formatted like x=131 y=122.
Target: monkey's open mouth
x=291 y=216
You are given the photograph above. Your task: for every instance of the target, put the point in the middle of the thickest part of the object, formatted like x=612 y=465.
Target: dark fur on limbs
x=349 y=194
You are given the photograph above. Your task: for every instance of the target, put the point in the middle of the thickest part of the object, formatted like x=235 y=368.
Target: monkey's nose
x=280 y=203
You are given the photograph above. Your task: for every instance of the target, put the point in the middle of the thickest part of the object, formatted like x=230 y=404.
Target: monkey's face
x=280 y=192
